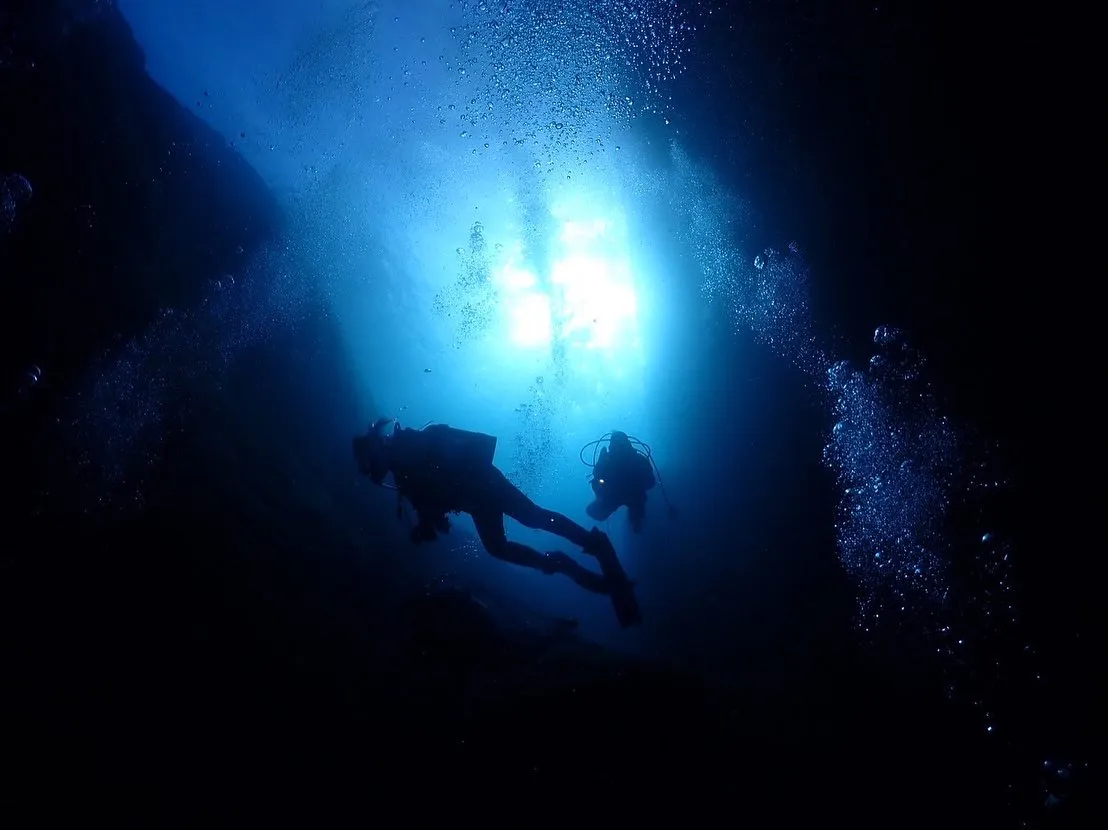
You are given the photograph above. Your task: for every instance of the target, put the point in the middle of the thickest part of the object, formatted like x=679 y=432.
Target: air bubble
x=15 y=191
x=887 y=336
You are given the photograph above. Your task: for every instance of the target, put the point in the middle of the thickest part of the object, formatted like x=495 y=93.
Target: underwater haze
x=513 y=238
x=546 y=220
x=508 y=232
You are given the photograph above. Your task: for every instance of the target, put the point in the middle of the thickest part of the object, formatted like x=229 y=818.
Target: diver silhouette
x=620 y=477
x=440 y=469
x=622 y=474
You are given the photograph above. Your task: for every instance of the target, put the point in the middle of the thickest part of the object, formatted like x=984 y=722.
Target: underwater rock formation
x=117 y=201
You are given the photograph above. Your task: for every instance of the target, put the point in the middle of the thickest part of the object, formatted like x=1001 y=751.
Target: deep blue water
x=758 y=237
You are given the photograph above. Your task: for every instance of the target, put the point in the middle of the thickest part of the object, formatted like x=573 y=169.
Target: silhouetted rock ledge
x=120 y=200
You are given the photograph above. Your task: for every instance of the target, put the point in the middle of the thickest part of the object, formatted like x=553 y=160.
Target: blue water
x=499 y=215
x=512 y=237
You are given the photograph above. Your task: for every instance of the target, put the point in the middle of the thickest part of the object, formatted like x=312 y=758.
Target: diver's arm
x=423 y=530
x=429 y=524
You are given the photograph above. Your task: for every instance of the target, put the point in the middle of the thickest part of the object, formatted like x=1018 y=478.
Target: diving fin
x=621 y=590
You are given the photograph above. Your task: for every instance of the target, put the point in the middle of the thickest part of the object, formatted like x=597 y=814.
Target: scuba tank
x=459 y=449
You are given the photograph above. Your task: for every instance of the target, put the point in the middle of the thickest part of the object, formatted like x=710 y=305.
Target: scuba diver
x=622 y=474
x=440 y=470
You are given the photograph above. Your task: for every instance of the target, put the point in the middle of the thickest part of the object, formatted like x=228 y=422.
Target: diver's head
x=371 y=449
x=620 y=440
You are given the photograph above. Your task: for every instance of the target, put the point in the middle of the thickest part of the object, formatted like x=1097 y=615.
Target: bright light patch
x=530 y=326
x=525 y=305
x=576 y=233
x=515 y=279
x=587 y=299
x=597 y=300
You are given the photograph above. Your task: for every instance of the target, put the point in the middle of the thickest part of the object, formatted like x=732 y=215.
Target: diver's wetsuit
x=437 y=470
x=621 y=477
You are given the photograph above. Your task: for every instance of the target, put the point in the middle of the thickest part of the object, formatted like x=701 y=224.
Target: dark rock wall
x=135 y=202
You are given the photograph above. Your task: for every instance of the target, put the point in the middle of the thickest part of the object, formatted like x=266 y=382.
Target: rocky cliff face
x=115 y=200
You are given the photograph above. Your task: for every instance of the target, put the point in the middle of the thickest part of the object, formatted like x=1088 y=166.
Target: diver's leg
x=512 y=501
x=636 y=513
x=490 y=528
